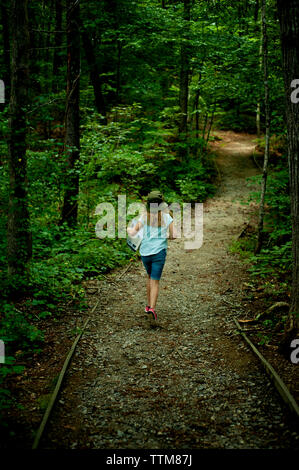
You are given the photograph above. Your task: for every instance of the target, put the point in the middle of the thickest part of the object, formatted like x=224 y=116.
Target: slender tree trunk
x=256 y=10
x=72 y=117
x=94 y=73
x=47 y=54
x=35 y=43
x=267 y=136
x=258 y=119
x=258 y=107
x=184 y=75
x=196 y=102
x=18 y=230
x=205 y=125
x=184 y=80
x=118 y=65
x=288 y=11
x=6 y=52
x=211 y=124
x=112 y=7
x=57 y=59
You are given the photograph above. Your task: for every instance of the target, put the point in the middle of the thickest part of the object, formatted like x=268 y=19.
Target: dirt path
x=190 y=382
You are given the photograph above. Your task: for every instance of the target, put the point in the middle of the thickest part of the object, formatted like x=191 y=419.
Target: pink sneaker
x=152 y=311
x=147 y=309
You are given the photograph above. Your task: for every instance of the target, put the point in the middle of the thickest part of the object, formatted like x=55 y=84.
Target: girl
x=153 y=248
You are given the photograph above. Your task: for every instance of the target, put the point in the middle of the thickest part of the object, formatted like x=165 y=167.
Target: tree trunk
x=267 y=136
x=288 y=11
x=6 y=52
x=210 y=124
x=184 y=80
x=35 y=44
x=118 y=65
x=205 y=125
x=196 y=102
x=57 y=59
x=72 y=115
x=18 y=229
x=258 y=107
x=256 y=10
x=94 y=73
x=184 y=75
x=113 y=8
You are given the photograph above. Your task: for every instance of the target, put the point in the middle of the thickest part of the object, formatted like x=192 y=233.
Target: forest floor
x=187 y=381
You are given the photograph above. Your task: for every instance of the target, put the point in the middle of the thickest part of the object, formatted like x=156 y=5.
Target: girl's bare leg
x=148 y=290
x=154 y=291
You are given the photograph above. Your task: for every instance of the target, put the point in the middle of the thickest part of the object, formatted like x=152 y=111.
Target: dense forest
x=102 y=98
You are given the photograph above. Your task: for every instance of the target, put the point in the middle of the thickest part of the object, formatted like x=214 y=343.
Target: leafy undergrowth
x=270 y=282
x=267 y=294
x=270 y=269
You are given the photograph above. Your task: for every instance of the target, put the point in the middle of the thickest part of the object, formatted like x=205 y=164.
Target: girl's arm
x=171 y=232
x=133 y=230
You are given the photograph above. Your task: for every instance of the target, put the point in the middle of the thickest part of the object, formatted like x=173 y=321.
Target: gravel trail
x=188 y=381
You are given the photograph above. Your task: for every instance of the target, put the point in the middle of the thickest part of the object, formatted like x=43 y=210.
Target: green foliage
x=264 y=339
x=277 y=217
x=193 y=181
x=274 y=261
x=75 y=256
x=127 y=166
x=244 y=247
x=17 y=332
x=20 y=337
x=236 y=121
x=271 y=268
x=134 y=153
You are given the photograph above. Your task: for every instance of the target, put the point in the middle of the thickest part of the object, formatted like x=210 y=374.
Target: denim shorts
x=154 y=264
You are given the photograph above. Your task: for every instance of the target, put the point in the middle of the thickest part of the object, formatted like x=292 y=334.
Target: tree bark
x=288 y=12
x=118 y=69
x=18 y=229
x=94 y=73
x=6 y=52
x=112 y=8
x=184 y=76
x=184 y=85
x=211 y=124
x=57 y=59
x=267 y=135
x=258 y=107
x=72 y=116
x=196 y=102
x=256 y=10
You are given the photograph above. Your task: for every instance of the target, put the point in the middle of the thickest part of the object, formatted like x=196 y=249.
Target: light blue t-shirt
x=154 y=238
